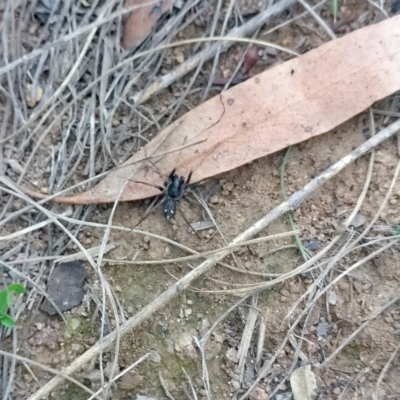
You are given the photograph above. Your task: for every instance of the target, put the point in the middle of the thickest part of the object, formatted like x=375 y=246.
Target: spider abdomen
x=170 y=205
x=175 y=188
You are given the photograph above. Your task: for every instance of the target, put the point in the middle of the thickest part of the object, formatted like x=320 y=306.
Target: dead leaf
x=287 y=104
x=142 y=20
x=250 y=59
x=303 y=383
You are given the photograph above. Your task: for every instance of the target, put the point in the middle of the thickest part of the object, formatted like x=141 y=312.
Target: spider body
x=175 y=188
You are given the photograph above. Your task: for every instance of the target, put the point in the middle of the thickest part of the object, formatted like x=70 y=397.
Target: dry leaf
x=142 y=20
x=285 y=105
x=250 y=59
x=303 y=383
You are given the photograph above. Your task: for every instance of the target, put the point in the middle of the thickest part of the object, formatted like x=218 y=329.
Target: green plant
x=6 y=297
x=335 y=9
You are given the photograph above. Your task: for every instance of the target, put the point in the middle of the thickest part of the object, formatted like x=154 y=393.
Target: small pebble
x=75 y=322
x=336 y=391
x=180 y=57
x=358 y=221
x=188 y=312
x=226 y=73
x=229 y=186
x=155 y=356
x=218 y=338
x=33 y=97
x=236 y=385
x=214 y=199
x=312 y=245
x=77 y=348
x=332 y=298
x=146 y=239
x=285 y=293
x=39 y=326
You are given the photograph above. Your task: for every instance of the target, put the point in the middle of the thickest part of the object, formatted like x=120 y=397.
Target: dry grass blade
x=247 y=335
x=261 y=340
x=120 y=375
x=205 y=377
x=72 y=111
x=237 y=33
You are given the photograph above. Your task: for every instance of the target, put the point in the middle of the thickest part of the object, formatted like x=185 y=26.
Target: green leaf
x=7 y=321
x=16 y=288
x=397 y=230
x=3 y=300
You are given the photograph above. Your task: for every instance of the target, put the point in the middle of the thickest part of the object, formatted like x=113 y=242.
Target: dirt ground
x=363 y=369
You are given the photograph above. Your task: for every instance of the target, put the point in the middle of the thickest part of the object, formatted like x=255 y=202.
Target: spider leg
x=190 y=226
x=189 y=178
x=149 y=211
x=172 y=174
x=149 y=184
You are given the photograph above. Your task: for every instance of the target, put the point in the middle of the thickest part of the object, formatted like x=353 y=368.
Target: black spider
x=175 y=189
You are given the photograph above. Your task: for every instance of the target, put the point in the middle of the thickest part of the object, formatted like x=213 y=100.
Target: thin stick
x=210 y=252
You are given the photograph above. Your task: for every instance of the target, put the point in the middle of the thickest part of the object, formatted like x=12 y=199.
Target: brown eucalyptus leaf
x=142 y=20
x=287 y=104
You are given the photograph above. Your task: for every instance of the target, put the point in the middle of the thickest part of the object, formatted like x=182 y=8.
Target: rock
x=236 y=385
x=312 y=245
x=180 y=57
x=218 y=338
x=332 y=298
x=155 y=356
x=77 y=348
x=358 y=221
x=48 y=337
x=188 y=312
x=229 y=186
x=214 y=199
x=32 y=96
x=65 y=287
x=258 y=394
x=322 y=328
x=231 y=355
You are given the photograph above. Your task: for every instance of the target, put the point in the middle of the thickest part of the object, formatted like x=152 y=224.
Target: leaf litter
x=285 y=105
x=238 y=207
